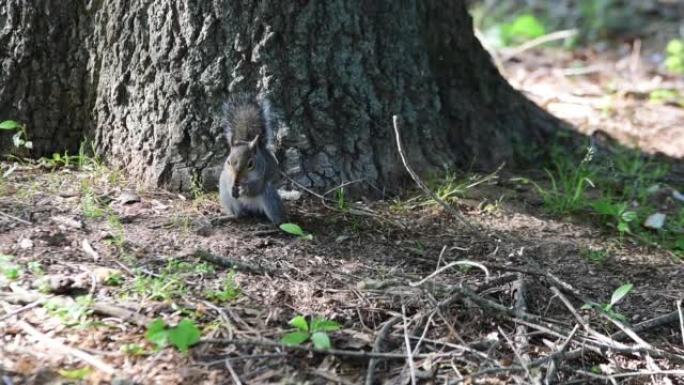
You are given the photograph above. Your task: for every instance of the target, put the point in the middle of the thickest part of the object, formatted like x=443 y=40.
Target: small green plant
x=674 y=60
x=196 y=189
x=450 y=189
x=175 y=266
x=229 y=290
x=75 y=374
x=181 y=336
x=569 y=183
x=618 y=295
x=418 y=248
x=75 y=314
x=523 y=28
x=20 y=137
x=164 y=288
x=133 y=350
x=60 y=160
x=294 y=229
x=8 y=269
x=634 y=174
x=668 y=96
x=341 y=201
x=114 y=279
x=90 y=205
x=35 y=268
x=596 y=256
x=317 y=331
x=64 y=160
x=118 y=232
x=12 y=273
x=618 y=214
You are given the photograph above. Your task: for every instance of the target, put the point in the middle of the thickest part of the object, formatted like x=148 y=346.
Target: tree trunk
x=146 y=79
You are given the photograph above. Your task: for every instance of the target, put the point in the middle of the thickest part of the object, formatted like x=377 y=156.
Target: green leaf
x=620 y=292
x=524 y=27
x=679 y=245
x=321 y=340
x=605 y=207
x=586 y=306
x=615 y=315
x=9 y=125
x=623 y=227
x=294 y=338
x=75 y=374
x=184 y=335
x=292 y=228
x=674 y=47
x=324 y=325
x=629 y=216
x=12 y=273
x=300 y=323
x=157 y=333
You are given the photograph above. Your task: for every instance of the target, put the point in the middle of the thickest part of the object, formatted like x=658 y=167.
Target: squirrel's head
x=243 y=163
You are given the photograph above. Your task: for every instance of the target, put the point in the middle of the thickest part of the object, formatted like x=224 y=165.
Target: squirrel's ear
x=253 y=143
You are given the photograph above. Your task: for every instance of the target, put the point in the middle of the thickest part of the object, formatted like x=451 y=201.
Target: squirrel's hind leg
x=272 y=205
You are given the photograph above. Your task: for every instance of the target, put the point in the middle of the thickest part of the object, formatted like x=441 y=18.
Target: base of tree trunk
x=145 y=81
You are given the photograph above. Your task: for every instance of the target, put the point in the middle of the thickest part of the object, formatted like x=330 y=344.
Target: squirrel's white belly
x=253 y=204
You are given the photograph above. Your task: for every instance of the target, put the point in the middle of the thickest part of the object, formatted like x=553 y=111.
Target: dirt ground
x=72 y=231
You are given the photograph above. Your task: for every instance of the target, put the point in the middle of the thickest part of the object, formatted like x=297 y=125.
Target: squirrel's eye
x=250 y=164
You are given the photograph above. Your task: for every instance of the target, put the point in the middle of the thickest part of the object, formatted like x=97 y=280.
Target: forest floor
x=89 y=260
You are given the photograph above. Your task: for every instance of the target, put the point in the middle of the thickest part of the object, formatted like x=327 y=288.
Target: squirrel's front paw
x=236 y=191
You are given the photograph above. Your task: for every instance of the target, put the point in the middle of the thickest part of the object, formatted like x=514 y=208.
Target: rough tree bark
x=145 y=80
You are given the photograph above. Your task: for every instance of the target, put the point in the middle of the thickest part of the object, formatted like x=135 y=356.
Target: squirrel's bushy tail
x=246 y=116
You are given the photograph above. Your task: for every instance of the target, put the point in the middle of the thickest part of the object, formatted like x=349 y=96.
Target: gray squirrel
x=250 y=173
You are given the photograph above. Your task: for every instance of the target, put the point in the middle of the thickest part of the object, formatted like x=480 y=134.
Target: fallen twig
x=582 y=321
x=523 y=362
x=68 y=350
x=306 y=349
x=598 y=346
x=522 y=343
x=653 y=323
x=550 y=37
x=233 y=263
x=681 y=319
x=334 y=379
x=419 y=182
x=352 y=208
x=377 y=347
x=233 y=375
x=452 y=264
x=409 y=351
x=222 y=316
x=24 y=308
x=555 y=362
x=15 y=218
x=494 y=308
x=642 y=373
x=98 y=307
